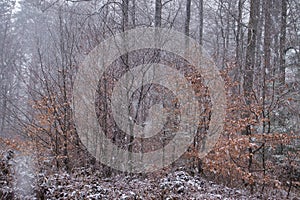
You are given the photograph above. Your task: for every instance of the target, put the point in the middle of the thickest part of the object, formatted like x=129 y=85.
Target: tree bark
x=249 y=72
x=250 y=52
x=282 y=41
x=188 y=18
x=201 y=22
x=158 y=8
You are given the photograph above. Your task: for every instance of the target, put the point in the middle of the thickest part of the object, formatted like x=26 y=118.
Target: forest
x=158 y=99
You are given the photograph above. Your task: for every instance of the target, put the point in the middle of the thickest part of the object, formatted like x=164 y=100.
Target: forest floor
x=18 y=180
x=176 y=185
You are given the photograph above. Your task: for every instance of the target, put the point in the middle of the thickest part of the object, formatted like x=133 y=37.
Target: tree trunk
x=158 y=8
x=282 y=41
x=266 y=68
x=250 y=54
x=238 y=49
x=201 y=22
x=249 y=71
x=188 y=18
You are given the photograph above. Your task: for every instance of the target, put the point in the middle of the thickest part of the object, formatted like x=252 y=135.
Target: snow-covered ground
x=20 y=180
x=176 y=185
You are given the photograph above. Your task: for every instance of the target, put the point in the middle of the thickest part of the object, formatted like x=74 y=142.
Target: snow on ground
x=177 y=185
x=19 y=180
